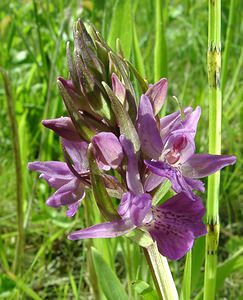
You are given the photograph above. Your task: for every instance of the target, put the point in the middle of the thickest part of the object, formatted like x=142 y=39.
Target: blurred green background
x=33 y=35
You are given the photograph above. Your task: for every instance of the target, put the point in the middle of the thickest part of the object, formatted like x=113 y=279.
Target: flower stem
x=161 y=273
x=215 y=110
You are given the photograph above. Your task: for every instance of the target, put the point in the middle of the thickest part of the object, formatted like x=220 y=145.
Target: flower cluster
x=126 y=147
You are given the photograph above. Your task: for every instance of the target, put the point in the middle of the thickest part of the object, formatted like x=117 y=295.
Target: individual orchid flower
x=173 y=225
x=170 y=150
x=67 y=178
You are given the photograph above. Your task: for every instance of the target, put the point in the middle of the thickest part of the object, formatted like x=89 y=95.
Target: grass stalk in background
x=186 y=284
x=215 y=110
x=18 y=169
x=160 y=49
x=161 y=273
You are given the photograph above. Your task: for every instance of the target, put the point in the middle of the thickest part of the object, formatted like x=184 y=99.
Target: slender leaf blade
x=108 y=280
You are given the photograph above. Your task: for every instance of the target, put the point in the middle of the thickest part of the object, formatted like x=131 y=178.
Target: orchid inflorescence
x=123 y=148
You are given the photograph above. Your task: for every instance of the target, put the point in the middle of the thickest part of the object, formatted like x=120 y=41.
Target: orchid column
x=215 y=109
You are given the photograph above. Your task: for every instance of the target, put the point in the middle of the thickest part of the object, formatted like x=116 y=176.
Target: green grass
x=33 y=35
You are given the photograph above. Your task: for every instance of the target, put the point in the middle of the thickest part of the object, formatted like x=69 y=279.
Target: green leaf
x=198 y=255
x=108 y=280
x=232 y=264
x=124 y=121
x=121 y=26
x=186 y=284
x=145 y=290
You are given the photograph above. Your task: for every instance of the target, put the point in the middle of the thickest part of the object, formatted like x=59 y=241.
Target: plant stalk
x=215 y=111
x=18 y=170
x=160 y=49
x=161 y=273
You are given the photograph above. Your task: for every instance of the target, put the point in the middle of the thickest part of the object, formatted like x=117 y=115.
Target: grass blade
x=121 y=26
x=18 y=169
x=108 y=280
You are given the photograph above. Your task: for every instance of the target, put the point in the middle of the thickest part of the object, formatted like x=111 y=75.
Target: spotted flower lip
x=173 y=225
x=172 y=149
x=70 y=190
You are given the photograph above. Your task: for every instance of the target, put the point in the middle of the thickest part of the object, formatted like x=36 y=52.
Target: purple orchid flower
x=69 y=181
x=173 y=225
x=170 y=149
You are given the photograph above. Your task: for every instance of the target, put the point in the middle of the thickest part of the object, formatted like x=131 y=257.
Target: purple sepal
x=156 y=94
x=202 y=165
x=148 y=131
x=103 y=230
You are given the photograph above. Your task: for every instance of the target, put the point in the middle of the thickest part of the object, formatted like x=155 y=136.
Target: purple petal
x=178 y=182
x=180 y=147
x=172 y=122
x=69 y=193
x=103 y=230
x=140 y=207
x=132 y=175
x=118 y=88
x=108 y=150
x=191 y=120
x=148 y=131
x=135 y=207
x=195 y=184
x=55 y=169
x=157 y=93
x=72 y=209
x=53 y=182
x=78 y=153
x=177 y=222
x=202 y=165
x=63 y=127
x=152 y=181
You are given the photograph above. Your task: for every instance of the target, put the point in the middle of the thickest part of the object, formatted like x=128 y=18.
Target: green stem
x=160 y=49
x=18 y=169
x=161 y=273
x=215 y=111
